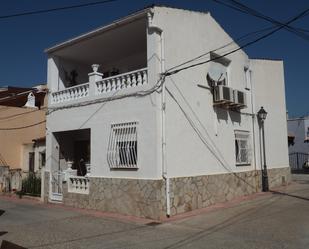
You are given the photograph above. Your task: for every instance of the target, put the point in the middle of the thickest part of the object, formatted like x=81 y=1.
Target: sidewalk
x=277 y=219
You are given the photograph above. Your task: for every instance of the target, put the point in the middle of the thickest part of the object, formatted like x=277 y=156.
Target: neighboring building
x=22 y=134
x=298 y=131
x=298 y=140
x=141 y=149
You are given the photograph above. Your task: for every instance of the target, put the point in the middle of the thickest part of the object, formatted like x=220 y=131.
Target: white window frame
x=122 y=150
x=242 y=144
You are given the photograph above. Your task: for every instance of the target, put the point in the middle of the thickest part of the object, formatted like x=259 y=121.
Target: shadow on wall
x=224 y=114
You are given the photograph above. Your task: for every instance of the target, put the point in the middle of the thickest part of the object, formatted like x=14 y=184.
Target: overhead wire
x=300 y=15
x=238 y=6
x=22 y=127
x=204 y=141
x=27 y=13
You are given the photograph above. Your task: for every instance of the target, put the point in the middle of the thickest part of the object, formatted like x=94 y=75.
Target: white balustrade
x=78 y=185
x=115 y=83
x=121 y=81
x=71 y=93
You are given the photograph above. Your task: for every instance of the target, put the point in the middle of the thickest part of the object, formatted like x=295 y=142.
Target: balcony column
x=93 y=78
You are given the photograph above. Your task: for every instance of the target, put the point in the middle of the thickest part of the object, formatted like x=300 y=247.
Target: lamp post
x=262 y=114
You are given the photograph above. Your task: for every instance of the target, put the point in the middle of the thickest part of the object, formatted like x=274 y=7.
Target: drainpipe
x=253 y=119
x=163 y=105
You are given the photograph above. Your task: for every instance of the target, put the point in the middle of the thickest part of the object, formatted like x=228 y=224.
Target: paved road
x=275 y=220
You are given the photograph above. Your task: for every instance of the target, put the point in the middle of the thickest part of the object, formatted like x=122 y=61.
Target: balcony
x=78 y=185
x=101 y=86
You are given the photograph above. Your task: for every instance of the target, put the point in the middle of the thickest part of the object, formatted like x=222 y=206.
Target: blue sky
x=23 y=39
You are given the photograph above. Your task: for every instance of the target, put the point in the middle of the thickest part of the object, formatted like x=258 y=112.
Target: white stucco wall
x=189 y=34
x=200 y=138
x=198 y=133
x=269 y=92
x=99 y=117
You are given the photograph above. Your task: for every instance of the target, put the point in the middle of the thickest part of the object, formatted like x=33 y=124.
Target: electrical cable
x=236 y=5
x=241 y=38
x=20 y=114
x=23 y=127
x=300 y=15
x=143 y=93
x=204 y=141
x=55 y=9
x=158 y=84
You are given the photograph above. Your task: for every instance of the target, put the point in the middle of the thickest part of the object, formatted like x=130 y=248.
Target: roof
x=129 y=18
x=300 y=118
x=95 y=32
x=267 y=59
x=18 y=96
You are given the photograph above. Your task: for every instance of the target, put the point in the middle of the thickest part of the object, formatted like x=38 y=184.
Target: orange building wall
x=11 y=141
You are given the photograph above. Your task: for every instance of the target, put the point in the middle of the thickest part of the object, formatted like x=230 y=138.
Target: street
x=278 y=219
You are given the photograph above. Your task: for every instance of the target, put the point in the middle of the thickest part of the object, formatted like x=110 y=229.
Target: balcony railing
x=71 y=93
x=121 y=81
x=78 y=185
x=111 y=84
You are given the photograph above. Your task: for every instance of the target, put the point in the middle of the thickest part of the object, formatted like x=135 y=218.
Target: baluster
x=144 y=77
x=87 y=90
x=133 y=80
x=60 y=97
x=99 y=86
x=71 y=94
x=139 y=79
x=123 y=82
x=104 y=86
x=113 y=85
x=128 y=81
x=75 y=92
x=108 y=86
x=118 y=83
x=82 y=92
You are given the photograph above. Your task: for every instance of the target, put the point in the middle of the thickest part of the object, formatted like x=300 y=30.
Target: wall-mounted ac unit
x=223 y=95
x=240 y=100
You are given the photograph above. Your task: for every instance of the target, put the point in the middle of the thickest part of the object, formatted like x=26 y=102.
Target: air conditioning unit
x=240 y=100
x=223 y=95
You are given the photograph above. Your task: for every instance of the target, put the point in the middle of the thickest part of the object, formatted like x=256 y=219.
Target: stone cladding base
x=146 y=198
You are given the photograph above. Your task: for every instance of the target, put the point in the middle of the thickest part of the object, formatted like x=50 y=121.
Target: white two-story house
x=127 y=133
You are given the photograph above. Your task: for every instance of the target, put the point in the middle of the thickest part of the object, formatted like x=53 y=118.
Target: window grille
x=242 y=148
x=122 y=147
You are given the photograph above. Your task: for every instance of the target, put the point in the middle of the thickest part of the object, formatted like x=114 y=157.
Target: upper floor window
x=218 y=73
x=242 y=148
x=247 y=78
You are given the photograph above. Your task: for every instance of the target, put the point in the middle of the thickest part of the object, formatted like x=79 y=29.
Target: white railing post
x=93 y=78
x=78 y=185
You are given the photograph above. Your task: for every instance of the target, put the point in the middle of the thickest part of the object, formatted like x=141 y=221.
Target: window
x=218 y=70
x=122 y=146
x=242 y=148
x=247 y=78
x=42 y=159
x=31 y=162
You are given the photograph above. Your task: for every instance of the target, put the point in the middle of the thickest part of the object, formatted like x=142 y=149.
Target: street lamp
x=262 y=114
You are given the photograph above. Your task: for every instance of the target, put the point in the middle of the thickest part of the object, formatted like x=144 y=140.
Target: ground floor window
x=122 y=147
x=242 y=148
x=31 y=162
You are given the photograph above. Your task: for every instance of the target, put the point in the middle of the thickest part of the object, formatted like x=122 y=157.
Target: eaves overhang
x=125 y=20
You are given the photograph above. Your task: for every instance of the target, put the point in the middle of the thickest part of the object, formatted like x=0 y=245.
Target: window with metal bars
x=122 y=146
x=242 y=148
